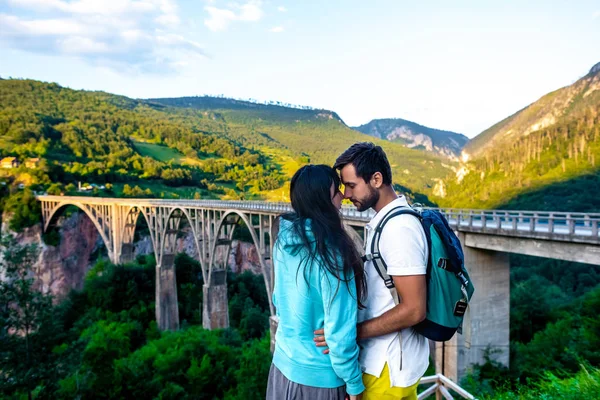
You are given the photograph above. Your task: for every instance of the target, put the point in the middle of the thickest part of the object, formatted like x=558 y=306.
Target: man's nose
x=347 y=193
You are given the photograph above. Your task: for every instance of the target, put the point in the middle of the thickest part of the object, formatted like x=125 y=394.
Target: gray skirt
x=281 y=388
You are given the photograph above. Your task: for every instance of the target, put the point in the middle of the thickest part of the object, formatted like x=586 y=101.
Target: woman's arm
x=340 y=306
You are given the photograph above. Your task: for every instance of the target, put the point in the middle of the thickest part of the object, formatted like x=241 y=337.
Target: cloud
x=276 y=29
x=130 y=35
x=281 y=9
x=219 y=19
x=596 y=15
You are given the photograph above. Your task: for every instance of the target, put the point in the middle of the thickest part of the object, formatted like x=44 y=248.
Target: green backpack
x=449 y=288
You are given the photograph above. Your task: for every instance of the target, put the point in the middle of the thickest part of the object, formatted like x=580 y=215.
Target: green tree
x=70 y=188
x=253 y=373
x=25 y=211
x=27 y=324
x=55 y=189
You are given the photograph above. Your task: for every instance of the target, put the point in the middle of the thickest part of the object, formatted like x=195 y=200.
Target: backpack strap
x=379 y=262
x=375 y=255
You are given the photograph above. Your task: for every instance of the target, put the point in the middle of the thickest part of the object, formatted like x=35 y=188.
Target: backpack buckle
x=463 y=279
x=460 y=308
x=389 y=283
x=443 y=263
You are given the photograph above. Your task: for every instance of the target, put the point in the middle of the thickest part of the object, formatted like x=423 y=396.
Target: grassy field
x=166 y=154
x=159 y=152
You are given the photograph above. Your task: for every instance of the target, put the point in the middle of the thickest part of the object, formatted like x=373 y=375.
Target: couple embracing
x=327 y=298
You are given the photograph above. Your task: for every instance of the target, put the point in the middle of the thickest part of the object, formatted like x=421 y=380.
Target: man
x=390 y=371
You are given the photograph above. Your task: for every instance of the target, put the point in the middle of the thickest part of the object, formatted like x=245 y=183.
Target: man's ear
x=377 y=180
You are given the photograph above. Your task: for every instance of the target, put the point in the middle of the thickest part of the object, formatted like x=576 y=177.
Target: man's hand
x=320 y=340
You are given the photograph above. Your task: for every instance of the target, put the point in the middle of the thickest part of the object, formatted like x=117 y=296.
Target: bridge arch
x=126 y=233
x=242 y=216
x=131 y=216
x=176 y=219
x=91 y=213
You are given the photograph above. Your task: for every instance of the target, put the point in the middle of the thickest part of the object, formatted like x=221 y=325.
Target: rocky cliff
x=62 y=268
x=415 y=136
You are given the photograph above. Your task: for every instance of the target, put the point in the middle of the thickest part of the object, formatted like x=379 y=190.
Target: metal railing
x=551 y=224
x=440 y=387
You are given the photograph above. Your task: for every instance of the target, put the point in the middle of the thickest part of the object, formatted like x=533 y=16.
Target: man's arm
x=412 y=290
x=403 y=247
x=406 y=261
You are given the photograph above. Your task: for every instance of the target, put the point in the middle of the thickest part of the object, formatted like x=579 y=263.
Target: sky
x=454 y=65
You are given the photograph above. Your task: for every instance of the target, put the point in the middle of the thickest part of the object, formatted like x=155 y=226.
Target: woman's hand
x=320 y=340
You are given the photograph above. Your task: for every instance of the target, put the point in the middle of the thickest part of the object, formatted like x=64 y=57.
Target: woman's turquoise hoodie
x=304 y=303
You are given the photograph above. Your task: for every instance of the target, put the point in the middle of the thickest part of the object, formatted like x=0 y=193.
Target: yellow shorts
x=379 y=388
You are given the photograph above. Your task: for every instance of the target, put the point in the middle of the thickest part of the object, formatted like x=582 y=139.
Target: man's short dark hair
x=367 y=159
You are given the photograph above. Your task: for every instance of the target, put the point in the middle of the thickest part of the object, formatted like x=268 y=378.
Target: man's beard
x=369 y=201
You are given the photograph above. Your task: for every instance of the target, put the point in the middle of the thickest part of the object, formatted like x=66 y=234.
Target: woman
x=319 y=282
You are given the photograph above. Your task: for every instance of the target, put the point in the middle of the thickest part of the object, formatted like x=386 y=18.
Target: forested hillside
x=552 y=142
x=307 y=134
x=566 y=104
x=213 y=148
x=94 y=137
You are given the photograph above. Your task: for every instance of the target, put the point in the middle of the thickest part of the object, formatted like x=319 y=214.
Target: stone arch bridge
x=487 y=238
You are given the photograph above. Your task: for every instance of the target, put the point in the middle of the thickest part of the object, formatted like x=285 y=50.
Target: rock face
x=61 y=268
x=412 y=135
x=244 y=257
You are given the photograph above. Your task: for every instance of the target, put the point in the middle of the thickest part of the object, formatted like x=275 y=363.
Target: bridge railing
x=558 y=223
x=440 y=387
x=583 y=225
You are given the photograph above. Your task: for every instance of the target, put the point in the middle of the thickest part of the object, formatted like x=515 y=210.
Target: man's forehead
x=348 y=174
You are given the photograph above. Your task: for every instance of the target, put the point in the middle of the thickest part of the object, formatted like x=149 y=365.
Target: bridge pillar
x=273 y=324
x=167 y=311
x=127 y=253
x=490 y=315
x=215 y=307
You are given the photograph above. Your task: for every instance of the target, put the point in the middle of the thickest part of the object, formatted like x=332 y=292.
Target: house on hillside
x=9 y=162
x=32 y=163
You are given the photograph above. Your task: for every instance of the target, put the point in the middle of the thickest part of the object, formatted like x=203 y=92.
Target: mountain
x=552 y=143
x=565 y=104
x=305 y=134
x=207 y=147
x=415 y=136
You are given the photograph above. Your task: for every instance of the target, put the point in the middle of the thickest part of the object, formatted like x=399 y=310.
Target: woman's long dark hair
x=310 y=193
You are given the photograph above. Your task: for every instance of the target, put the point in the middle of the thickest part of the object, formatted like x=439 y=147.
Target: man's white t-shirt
x=403 y=246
